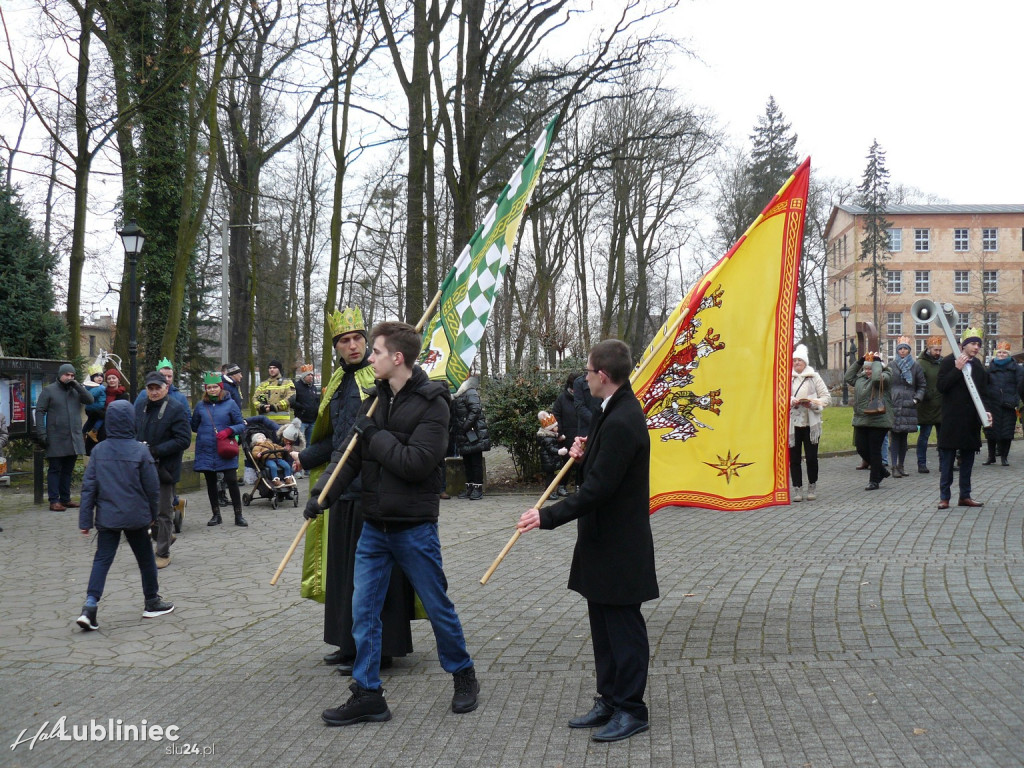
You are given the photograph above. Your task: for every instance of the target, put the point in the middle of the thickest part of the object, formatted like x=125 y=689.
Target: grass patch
x=837 y=430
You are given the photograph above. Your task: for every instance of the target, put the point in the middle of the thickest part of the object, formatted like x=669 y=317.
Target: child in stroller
x=270 y=458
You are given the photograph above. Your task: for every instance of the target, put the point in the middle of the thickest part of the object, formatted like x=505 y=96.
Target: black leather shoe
x=599 y=715
x=991 y=460
x=923 y=470
x=345 y=666
x=1004 y=461
x=872 y=487
x=336 y=658
x=621 y=726
x=886 y=473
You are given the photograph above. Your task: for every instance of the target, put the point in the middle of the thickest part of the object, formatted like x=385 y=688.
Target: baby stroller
x=264 y=486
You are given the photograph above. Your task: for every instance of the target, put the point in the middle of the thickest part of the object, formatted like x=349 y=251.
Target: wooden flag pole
x=348 y=452
x=652 y=351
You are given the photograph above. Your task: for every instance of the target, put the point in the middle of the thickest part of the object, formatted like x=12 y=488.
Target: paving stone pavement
x=859 y=629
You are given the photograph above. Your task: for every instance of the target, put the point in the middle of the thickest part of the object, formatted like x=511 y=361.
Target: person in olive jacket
x=870 y=377
x=59 y=416
x=613 y=563
x=469 y=425
x=929 y=409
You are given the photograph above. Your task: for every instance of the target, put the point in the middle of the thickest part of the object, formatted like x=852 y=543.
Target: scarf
x=1001 y=363
x=903 y=365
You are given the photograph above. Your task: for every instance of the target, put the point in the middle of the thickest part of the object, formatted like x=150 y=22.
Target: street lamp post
x=845 y=312
x=133 y=238
x=225 y=235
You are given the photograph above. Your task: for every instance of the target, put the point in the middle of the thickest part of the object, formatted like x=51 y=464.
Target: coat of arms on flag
x=717 y=397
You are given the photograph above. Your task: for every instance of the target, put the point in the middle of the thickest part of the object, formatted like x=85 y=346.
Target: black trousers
x=868 y=441
x=474 y=464
x=621 y=655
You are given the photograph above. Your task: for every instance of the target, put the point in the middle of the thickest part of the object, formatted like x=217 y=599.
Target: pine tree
x=28 y=325
x=873 y=196
x=773 y=156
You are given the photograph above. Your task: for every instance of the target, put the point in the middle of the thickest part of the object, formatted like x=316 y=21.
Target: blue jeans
x=106 y=547
x=417 y=551
x=946 y=460
x=922 y=442
x=307 y=431
x=58 y=478
x=279 y=468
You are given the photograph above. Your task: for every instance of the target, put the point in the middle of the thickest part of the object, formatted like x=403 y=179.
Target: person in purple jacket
x=120 y=493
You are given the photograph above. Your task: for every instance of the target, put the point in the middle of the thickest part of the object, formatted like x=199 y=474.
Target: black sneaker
x=157 y=607
x=363 y=706
x=87 y=620
x=466 y=690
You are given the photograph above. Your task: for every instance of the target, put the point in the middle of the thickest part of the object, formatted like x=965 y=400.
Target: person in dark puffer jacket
x=1006 y=383
x=120 y=493
x=471 y=436
x=399 y=457
x=909 y=386
x=552 y=447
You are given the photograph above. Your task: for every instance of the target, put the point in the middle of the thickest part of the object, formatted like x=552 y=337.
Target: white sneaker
x=796 y=495
x=812 y=492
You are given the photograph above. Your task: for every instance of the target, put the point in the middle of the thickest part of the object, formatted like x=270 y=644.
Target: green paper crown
x=212 y=377
x=345 y=321
x=165 y=363
x=971 y=333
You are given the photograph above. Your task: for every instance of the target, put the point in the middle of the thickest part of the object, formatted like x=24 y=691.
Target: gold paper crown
x=903 y=340
x=212 y=377
x=305 y=368
x=546 y=419
x=935 y=341
x=971 y=333
x=345 y=321
x=1003 y=345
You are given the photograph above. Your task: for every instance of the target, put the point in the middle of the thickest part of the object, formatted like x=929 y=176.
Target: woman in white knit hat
x=808 y=398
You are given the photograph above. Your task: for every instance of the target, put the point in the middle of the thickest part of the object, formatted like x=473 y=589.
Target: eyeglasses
x=591 y=370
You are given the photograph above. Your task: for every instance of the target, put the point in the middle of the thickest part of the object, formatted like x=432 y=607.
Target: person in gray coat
x=908 y=389
x=59 y=418
x=119 y=495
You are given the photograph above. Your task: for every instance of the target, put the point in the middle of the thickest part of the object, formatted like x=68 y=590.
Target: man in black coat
x=961 y=425
x=613 y=563
x=162 y=424
x=398 y=458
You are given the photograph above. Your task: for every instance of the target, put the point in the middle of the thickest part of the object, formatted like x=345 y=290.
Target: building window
x=990 y=239
x=991 y=324
x=894 y=240
x=92 y=345
x=963 y=320
x=922 y=281
x=893 y=281
x=893 y=323
x=921 y=345
x=961 y=281
x=990 y=281
x=922 y=329
x=961 y=240
x=922 y=240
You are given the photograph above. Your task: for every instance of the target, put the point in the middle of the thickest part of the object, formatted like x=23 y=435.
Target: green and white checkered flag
x=467 y=294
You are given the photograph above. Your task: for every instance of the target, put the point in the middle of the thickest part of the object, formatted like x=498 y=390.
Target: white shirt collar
x=604 y=403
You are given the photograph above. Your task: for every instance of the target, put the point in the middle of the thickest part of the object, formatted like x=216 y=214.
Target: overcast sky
x=937 y=83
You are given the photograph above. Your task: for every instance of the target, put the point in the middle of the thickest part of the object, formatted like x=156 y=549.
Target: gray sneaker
x=812 y=492
x=797 y=495
x=157 y=607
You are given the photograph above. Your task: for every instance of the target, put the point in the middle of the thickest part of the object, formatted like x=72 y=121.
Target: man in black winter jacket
x=398 y=458
x=162 y=424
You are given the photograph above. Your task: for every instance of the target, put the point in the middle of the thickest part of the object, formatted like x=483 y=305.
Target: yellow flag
x=715 y=382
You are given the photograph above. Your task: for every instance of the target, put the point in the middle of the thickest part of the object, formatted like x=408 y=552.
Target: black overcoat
x=613 y=562
x=961 y=427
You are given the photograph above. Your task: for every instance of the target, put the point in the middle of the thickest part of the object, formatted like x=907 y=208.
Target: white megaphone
x=927 y=311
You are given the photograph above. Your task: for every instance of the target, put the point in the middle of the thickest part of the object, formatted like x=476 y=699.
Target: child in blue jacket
x=120 y=494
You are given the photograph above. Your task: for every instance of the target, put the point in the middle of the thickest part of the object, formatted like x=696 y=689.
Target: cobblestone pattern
x=859 y=629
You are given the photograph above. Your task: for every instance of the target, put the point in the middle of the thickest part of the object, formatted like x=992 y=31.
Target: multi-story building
x=969 y=255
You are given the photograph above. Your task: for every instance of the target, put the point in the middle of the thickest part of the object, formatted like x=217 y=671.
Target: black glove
x=313 y=508
x=264 y=408
x=43 y=441
x=365 y=428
